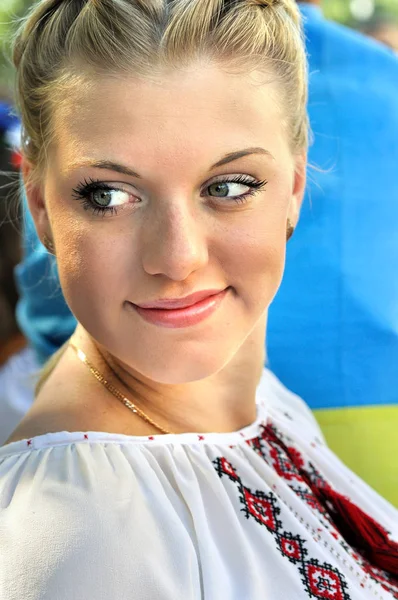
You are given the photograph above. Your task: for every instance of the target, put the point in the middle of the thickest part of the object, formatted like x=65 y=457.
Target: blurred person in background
x=45 y=320
x=10 y=338
x=384 y=29
x=336 y=343
x=16 y=360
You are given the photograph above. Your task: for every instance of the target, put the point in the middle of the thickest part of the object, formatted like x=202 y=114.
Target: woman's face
x=160 y=189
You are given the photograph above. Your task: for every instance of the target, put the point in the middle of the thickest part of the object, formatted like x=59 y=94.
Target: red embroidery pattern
x=321 y=581
x=325 y=581
x=380 y=576
x=268 y=448
x=288 y=467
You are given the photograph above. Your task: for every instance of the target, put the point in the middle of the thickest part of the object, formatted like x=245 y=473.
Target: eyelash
x=82 y=193
x=83 y=190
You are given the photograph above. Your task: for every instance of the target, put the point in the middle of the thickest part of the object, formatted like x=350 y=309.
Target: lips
x=175 y=303
x=184 y=312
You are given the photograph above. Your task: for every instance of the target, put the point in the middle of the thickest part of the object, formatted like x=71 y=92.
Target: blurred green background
x=355 y=13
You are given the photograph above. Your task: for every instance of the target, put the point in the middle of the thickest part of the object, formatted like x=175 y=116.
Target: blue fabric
x=333 y=327
x=6 y=118
x=42 y=313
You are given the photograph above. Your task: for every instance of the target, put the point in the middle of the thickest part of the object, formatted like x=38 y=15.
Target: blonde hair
x=62 y=43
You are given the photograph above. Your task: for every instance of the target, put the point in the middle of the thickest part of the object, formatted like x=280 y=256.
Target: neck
x=223 y=402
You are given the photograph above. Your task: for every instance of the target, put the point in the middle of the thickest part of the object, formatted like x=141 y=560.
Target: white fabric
x=99 y=516
x=17 y=382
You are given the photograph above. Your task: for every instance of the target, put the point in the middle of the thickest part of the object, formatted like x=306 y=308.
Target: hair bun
x=289 y=6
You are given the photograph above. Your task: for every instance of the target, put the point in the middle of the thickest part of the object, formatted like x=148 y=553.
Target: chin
x=175 y=358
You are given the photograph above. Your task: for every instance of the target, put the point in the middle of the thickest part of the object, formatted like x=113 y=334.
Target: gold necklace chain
x=111 y=388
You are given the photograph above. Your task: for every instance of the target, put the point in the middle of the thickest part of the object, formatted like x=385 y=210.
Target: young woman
x=164 y=161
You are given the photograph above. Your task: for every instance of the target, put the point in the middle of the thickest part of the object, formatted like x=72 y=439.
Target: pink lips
x=182 y=312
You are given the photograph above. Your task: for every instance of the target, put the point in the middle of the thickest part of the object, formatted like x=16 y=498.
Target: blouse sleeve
x=68 y=531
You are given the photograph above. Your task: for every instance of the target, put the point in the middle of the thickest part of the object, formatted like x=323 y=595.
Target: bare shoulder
x=58 y=407
x=76 y=404
x=28 y=428
x=44 y=417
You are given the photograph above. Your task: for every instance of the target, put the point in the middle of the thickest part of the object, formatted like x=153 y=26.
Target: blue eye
x=106 y=198
x=224 y=189
x=238 y=188
x=101 y=198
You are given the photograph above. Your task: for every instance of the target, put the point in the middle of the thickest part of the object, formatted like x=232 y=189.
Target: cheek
x=95 y=266
x=254 y=256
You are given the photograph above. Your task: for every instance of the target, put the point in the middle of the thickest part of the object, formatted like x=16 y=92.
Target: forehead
x=194 y=110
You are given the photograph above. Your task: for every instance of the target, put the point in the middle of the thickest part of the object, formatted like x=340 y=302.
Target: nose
x=175 y=242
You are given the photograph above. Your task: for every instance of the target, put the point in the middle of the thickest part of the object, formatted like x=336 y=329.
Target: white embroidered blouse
x=99 y=516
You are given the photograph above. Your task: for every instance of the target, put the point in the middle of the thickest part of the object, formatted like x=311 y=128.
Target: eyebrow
x=240 y=154
x=112 y=166
x=108 y=165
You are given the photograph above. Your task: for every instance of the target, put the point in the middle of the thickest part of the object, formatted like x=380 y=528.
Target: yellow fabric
x=366 y=440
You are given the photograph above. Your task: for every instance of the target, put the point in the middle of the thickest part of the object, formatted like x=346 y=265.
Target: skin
x=386 y=34
x=169 y=239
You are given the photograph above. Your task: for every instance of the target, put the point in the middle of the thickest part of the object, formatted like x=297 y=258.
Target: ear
x=299 y=183
x=34 y=191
